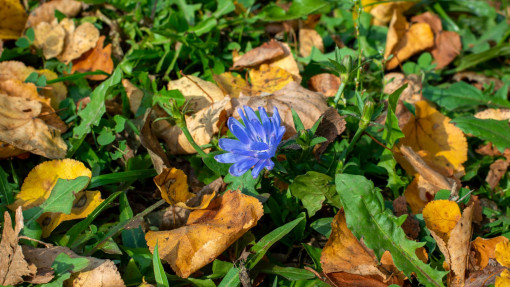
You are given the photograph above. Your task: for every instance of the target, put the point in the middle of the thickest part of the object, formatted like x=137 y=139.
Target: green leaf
x=323 y=226
x=315 y=254
x=231 y=279
x=311 y=188
x=93 y=112
x=298 y=9
x=461 y=95
x=367 y=218
x=263 y=245
x=159 y=272
x=105 y=137
x=497 y=132
x=298 y=124
x=124 y=176
x=224 y=7
x=60 y=199
x=290 y=273
x=204 y=26
x=392 y=131
x=64 y=263
x=245 y=183
x=472 y=60
x=5 y=188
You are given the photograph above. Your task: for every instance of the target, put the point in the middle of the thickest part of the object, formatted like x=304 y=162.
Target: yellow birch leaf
x=173 y=184
x=485 y=249
x=84 y=203
x=13 y=18
x=268 y=79
x=503 y=280
x=502 y=253
x=208 y=232
x=441 y=216
x=432 y=135
x=232 y=85
x=41 y=179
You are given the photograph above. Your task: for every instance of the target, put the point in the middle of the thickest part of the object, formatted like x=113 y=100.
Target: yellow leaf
x=41 y=179
x=56 y=92
x=503 y=280
x=438 y=141
x=13 y=18
x=441 y=216
x=208 y=232
x=403 y=42
x=84 y=203
x=173 y=184
x=232 y=85
x=502 y=253
x=485 y=249
x=268 y=79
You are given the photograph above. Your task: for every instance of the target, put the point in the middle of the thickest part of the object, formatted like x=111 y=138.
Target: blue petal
x=240 y=167
x=276 y=117
x=266 y=122
x=258 y=168
x=238 y=130
x=258 y=146
x=230 y=157
x=255 y=122
x=252 y=116
x=249 y=129
x=269 y=164
x=232 y=145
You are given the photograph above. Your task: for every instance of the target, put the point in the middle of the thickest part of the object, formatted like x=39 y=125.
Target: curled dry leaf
x=98 y=58
x=50 y=38
x=325 y=83
x=383 y=11
x=287 y=62
x=41 y=179
x=331 y=126
x=202 y=126
x=309 y=38
x=494 y=114
x=484 y=277
x=484 y=249
x=266 y=52
x=13 y=265
x=497 y=171
x=478 y=80
x=208 y=232
x=404 y=41
x=46 y=11
x=232 y=85
x=99 y=272
x=290 y=97
x=84 y=203
x=134 y=94
x=150 y=142
x=452 y=239
x=13 y=17
x=200 y=93
x=83 y=38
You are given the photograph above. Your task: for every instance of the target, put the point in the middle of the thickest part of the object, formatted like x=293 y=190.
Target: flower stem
x=186 y=133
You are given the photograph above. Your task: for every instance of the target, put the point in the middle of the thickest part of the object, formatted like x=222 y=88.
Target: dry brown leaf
x=354 y=280
x=208 y=232
x=202 y=126
x=99 y=272
x=82 y=39
x=21 y=127
x=50 y=38
x=266 y=52
x=331 y=126
x=383 y=11
x=267 y=79
x=484 y=277
x=8 y=151
x=432 y=19
x=404 y=41
x=454 y=243
x=291 y=96
x=56 y=92
x=46 y=11
x=150 y=142
x=134 y=94
x=13 y=265
x=484 y=249
x=98 y=58
x=494 y=114
x=232 y=85
x=497 y=171
x=200 y=93
x=13 y=18
x=325 y=83
x=478 y=80
x=173 y=185
x=287 y=62
x=344 y=252
x=309 y=38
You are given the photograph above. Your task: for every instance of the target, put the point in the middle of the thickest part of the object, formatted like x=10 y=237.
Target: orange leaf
x=208 y=232
x=485 y=249
x=502 y=253
x=98 y=58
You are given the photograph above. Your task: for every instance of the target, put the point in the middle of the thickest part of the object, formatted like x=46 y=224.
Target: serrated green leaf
x=392 y=131
x=367 y=218
x=461 y=95
x=497 y=132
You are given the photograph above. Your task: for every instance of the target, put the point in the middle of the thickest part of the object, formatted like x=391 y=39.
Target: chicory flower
x=257 y=141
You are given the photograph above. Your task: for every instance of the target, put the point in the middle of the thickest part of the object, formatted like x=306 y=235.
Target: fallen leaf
x=37 y=186
x=382 y=12
x=208 y=232
x=503 y=280
x=13 y=17
x=98 y=58
x=173 y=184
x=309 y=38
x=494 y=114
x=484 y=249
x=8 y=150
x=484 y=277
x=202 y=125
x=82 y=39
x=287 y=62
x=432 y=19
x=292 y=96
x=325 y=83
x=150 y=142
x=354 y=280
x=452 y=233
x=21 y=127
x=98 y=272
x=134 y=94
x=497 y=171
x=268 y=79
x=439 y=142
x=344 y=253
x=331 y=126
x=478 y=80
x=200 y=93
x=502 y=253
x=56 y=92
x=232 y=85
x=50 y=38
x=404 y=41
x=46 y=11
x=84 y=203
x=266 y=52
x=13 y=265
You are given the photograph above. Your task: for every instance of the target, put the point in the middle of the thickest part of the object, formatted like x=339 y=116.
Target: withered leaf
x=497 y=171
x=309 y=38
x=484 y=249
x=331 y=126
x=13 y=17
x=325 y=83
x=98 y=58
x=266 y=52
x=151 y=143
x=46 y=11
x=200 y=93
x=82 y=39
x=208 y=232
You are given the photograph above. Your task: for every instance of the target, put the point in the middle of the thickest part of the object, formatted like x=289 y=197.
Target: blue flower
x=256 y=144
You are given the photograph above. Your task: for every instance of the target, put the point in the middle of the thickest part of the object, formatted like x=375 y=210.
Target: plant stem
x=186 y=132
